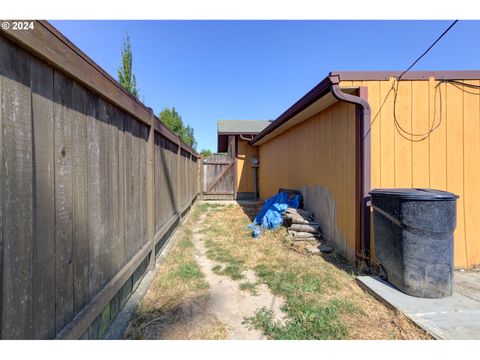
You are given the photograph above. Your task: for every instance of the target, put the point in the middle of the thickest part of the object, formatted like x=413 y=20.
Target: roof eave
x=336 y=76
x=238 y=132
x=410 y=75
x=308 y=99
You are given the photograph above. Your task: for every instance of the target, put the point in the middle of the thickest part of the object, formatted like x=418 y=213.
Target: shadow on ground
x=250 y=209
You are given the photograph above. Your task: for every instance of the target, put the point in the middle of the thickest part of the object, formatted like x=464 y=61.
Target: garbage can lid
x=415 y=194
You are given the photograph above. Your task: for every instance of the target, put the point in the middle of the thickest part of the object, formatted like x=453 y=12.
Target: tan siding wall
x=319 y=156
x=245 y=178
x=448 y=160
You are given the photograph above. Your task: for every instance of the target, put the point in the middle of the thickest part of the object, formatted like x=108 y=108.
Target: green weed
x=189 y=270
x=234 y=266
x=307 y=318
x=249 y=287
x=304 y=323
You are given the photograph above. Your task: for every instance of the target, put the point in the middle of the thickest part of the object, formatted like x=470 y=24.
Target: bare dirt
x=216 y=276
x=227 y=302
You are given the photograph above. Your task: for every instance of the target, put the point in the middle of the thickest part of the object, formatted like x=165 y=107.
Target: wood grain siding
x=449 y=159
x=245 y=176
x=318 y=156
x=73 y=200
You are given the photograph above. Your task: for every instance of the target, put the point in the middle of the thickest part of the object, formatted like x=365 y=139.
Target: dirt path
x=195 y=296
x=227 y=301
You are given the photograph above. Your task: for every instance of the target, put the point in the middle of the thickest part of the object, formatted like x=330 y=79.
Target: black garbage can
x=414 y=239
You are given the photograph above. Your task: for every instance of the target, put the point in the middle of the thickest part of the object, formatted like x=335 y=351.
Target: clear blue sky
x=212 y=70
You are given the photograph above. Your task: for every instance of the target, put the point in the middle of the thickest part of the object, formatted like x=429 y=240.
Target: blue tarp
x=270 y=216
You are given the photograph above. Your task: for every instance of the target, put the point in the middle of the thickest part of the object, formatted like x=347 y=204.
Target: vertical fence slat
x=142 y=195
x=44 y=201
x=157 y=181
x=143 y=185
x=135 y=185
x=17 y=193
x=94 y=195
x=114 y=203
x=150 y=190
x=63 y=88
x=3 y=61
x=178 y=176
x=105 y=270
x=80 y=193
x=121 y=190
x=128 y=188
x=83 y=187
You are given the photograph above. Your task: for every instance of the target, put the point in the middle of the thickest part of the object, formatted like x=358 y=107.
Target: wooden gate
x=219 y=177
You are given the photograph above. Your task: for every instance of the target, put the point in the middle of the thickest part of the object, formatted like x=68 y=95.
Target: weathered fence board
x=113 y=170
x=129 y=246
x=135 y=186
x=104 y=193
x=121 y=192
x=143 y=133
x=74 y=239
x=44 y=201
x=63 y=116
x=17 y=193
x=2 y=71
x=165 y=172
x=94 y=221
x=218 y=177
x=80 y=191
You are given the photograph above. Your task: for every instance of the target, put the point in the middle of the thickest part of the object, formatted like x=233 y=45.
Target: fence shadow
x=250 y=208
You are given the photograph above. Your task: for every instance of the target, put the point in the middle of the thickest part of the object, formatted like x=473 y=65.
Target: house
x=356 y=131
x=233 y=139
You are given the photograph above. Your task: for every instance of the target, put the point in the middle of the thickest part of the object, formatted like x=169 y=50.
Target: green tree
x=172 y=120
x=206 y=153
x=126 y=78
x=189 y=137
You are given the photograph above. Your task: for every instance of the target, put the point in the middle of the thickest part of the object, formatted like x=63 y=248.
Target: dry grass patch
x=174 y=306
x=323 y=301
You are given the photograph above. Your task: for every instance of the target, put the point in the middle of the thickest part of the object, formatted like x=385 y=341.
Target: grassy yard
x=323 y=300
x=178 y=289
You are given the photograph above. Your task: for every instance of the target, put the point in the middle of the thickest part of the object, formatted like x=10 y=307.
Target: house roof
x=323 y=89
x=232 y=127
x=410 y=75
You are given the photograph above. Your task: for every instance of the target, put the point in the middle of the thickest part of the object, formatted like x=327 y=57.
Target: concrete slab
x=455 y=317
x=468 y=283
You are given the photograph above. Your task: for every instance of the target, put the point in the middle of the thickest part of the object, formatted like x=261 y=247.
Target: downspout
x=364 y=118
x=246 y=139
x=255 y=185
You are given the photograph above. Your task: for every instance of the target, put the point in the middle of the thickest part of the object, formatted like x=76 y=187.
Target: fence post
x=179 y=153
x=200 y=177
x=151 y=188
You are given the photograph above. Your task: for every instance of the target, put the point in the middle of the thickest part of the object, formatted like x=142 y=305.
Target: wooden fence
x=91 y=186
x=219 y=174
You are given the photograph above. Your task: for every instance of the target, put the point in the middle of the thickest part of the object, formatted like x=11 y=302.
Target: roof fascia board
x=410 y=75
x=308 y=99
